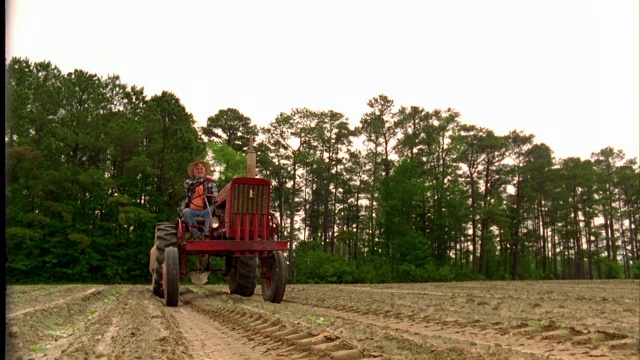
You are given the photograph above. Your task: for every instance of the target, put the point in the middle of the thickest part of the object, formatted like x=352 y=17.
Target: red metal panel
x=240 y=225
x=183 y=261
x=246 y=227
x=255 y=232
x=207 y=246
x=236 y=226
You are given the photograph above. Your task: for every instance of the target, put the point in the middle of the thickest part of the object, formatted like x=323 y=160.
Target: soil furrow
x=473 y=320
x=272 y=335
x=24 y=299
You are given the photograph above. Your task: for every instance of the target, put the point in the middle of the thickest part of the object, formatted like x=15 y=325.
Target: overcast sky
x=566 y=71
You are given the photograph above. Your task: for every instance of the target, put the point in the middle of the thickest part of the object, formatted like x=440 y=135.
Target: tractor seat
x=200 y=220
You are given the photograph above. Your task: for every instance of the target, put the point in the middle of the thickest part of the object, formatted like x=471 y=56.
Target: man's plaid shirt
x=190 y=186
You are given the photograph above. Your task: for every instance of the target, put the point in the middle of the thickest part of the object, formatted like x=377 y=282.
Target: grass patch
x=316 y=320
x=38 y=348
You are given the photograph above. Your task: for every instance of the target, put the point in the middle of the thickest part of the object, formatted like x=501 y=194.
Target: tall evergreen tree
x=231 y=127
x=334 y=137
x=291 y=134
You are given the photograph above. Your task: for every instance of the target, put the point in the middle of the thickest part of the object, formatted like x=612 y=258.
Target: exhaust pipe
x=251 y=160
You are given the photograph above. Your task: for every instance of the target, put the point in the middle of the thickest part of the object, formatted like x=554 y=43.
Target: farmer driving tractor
x=201 y=191
x=236 y=224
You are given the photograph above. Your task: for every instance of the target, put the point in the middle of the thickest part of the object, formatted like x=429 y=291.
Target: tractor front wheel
x=242 y=275
x=171 y=277
x=274 y=277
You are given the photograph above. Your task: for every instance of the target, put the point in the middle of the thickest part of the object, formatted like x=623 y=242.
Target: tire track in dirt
x=420 y=335
x=523 y=320
x=401 y=318
x=209 y=340
x=267 y=335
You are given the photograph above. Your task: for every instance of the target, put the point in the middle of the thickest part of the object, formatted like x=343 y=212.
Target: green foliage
x=635 y=270
x=316 y=266
x=538 y=275
x=38 y=348
x=227 y=162
x=132 y=215
x=400 y=196
x=374 y=270
x=435 y=273
x=411 y=249
x=462 y=273
x=316 y=320
x=611 y=269
x=92 y=164
x=230 y=127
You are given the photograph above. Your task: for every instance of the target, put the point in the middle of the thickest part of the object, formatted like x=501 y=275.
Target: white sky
x=566 y=71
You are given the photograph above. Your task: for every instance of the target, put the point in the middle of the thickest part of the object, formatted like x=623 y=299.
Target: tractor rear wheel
x=165 y=237
x=274 y=277
x=171 y=277
x=242 y=277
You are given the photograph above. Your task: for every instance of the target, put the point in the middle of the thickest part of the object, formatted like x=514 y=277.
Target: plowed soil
x=469 y=320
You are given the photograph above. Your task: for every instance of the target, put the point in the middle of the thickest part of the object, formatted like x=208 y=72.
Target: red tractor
x=243 y=231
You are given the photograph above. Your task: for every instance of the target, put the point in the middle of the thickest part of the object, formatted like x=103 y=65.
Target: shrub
x=612 y=269
x=635 y=270
x=314 y=266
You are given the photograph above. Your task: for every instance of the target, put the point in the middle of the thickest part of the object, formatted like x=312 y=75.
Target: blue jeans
x=190 y=215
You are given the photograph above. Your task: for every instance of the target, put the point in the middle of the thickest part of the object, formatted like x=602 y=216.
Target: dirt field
x=471 y=320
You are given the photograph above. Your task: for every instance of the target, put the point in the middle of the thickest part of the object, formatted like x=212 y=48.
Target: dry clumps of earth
x=467 y=320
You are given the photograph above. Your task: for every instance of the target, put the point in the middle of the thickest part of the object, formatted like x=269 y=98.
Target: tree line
x=407 y=195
